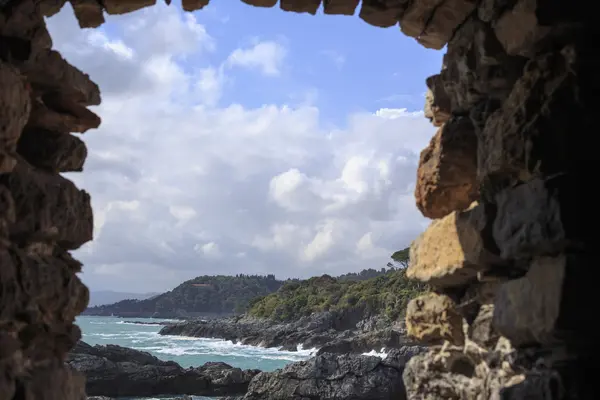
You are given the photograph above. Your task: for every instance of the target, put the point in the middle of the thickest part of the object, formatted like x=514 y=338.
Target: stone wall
x=504 y=179
x=506 y=255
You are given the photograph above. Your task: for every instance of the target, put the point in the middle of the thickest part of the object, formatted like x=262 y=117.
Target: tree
x=402 y=257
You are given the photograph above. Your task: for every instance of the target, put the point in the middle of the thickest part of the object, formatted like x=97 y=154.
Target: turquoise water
x=188 y=352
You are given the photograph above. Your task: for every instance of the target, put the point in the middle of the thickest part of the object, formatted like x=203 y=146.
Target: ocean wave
x=188 y=351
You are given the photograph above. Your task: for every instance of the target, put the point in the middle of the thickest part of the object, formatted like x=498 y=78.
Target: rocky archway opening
x=506 y=253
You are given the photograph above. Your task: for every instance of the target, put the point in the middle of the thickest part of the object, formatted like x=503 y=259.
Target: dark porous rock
x=117 y=371
x=334 y=377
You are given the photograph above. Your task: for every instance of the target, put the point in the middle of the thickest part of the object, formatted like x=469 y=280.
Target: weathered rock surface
x=453 y=249
x=433 y=318
x=334 y=377
x=327 y=331
x=447 y=173
x=116 y=371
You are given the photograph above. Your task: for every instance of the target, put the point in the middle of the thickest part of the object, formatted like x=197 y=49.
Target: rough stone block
x=519 y=30
x=382 y=13
x=445 y=19
x=441 y=375
x=89 y=13
x=415 y=18
x=261 y=3
x=437 y=103
x=62 y=118
x=50 y=285
x=540 y=217
x=447 y=173
x=476 y=66
x=48 y=8
x=481 y=330
x=432 y=318
x=339 y=7
x=25 y=22
x=15 y=105
x=539 y=128
x=527 y=309
x=452 y=249
x=49 y=71
x=48 y=207
x=52 y=151
x=126 y=6
x=193 y=5
x=300 y=6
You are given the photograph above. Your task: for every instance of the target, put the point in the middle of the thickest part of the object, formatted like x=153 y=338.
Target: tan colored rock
x=452 y=249
x=437 y=101
x=446 y=18
x=52 y=151
x=89 y=13
x=433 y=112
x=432 y=318
x=519 y=30
x=526 y=310
x=447 y=172
x=382 y=14
x=193 y=5
x=126 y=6
x=339 y=7
x=442 y=374
x=300 y=6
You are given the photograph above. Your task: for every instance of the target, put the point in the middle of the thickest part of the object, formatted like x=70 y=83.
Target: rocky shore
x=334 y=377
x=116 y=371
x=328 y=332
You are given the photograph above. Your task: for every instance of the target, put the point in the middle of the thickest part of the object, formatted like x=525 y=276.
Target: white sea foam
x=380 y=354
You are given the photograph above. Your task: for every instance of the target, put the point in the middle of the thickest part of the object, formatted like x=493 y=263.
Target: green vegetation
x=386 y=294
x=204 y=294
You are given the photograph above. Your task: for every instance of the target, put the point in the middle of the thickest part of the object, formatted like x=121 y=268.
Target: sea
x=187 y=351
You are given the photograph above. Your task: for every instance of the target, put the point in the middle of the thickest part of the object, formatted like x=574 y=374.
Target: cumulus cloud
x=183 y=185
x=267 y=57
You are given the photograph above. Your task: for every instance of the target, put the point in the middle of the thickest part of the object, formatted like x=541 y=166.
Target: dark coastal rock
x=117 y=371
x=329 y=331
x=334 y=377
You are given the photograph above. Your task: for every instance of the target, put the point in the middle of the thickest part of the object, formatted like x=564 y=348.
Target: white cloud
x=210 y=249
x=265 y=56
x=183 y=186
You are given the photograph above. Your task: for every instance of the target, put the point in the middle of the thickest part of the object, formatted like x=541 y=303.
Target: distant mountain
x=201 y=296
x=102 y=297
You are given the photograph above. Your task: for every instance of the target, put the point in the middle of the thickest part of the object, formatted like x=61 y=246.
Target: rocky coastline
x=326 y=332
x=114 y=371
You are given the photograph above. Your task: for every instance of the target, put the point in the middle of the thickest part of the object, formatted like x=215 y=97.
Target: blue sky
x=247 y=140
x=340 y=62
